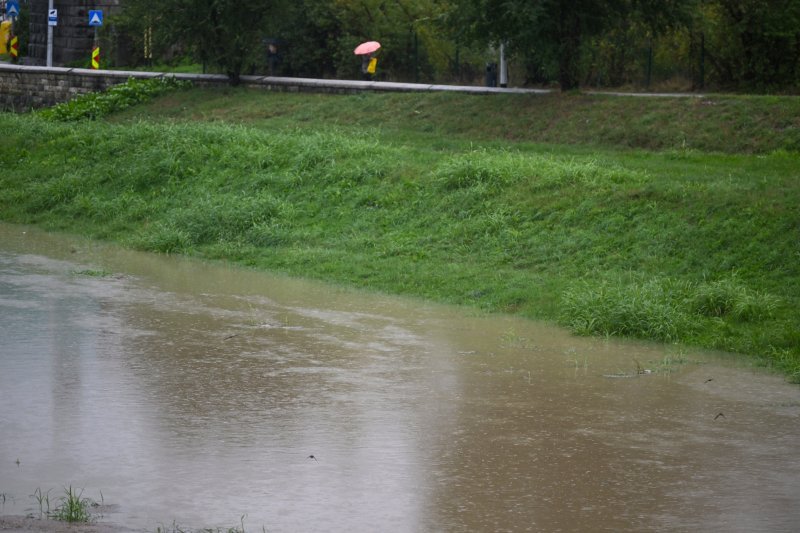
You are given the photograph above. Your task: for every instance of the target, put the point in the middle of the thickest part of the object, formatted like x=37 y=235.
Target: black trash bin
x=491 y=74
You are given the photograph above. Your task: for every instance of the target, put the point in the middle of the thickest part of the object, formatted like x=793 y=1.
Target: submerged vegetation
x=675 y=244
x=176 y=528
x=72 y=506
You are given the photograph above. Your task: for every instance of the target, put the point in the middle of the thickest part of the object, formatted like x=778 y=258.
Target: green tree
x=320 y=36
x=558 y=32
x=551 y=29
x=313 y=37
x=752 y=44
x=627 y=49
x=226 y=34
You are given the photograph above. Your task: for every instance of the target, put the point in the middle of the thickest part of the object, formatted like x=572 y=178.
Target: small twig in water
x=312 y=457
x=719 y=415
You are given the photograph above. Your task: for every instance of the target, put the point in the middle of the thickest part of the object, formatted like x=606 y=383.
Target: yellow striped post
x=96 y=57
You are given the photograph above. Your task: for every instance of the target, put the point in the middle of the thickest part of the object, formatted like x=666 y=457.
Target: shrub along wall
x=25 y=87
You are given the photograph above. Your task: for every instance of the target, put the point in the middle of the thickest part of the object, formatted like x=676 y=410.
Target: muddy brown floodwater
x=188 y=395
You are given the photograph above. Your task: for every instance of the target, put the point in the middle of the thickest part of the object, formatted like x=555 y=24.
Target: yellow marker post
x=5 y=32
x=95 y=21
x=15 y=47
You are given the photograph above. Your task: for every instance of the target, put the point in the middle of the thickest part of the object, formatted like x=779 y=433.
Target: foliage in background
x=631 y=47
x=92 y=106
x=225 y=34
x=750 y=45
x=313 y=39
x=553 y=29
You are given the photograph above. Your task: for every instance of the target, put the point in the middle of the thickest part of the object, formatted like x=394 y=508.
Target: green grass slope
x=716 y=123
x=678 y=245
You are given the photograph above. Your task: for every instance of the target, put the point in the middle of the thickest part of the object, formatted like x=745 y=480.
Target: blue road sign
x=95 y=18
x=12 y=8
x=52 y=17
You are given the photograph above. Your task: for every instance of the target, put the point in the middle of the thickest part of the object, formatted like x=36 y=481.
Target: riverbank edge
x=215 y=254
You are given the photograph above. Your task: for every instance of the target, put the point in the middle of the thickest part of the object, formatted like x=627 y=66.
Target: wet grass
x=720 y=123
x=176 y=528
x=73 y=507
x=93 y=273
x=678 y=245
x=671 y=363
x=43 y=499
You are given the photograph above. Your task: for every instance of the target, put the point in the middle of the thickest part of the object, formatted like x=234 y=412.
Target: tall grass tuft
x=73 y=508
x=730 y=297
x=480 y=168
x=652 y=309
x=661 y=308
x=43 y=498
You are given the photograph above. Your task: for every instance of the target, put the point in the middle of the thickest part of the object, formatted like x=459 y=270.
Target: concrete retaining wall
x=28 y=87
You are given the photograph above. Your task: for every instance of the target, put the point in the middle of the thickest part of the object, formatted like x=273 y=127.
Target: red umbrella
x=366 y=48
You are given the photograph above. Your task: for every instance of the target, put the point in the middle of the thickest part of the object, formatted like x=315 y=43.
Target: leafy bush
x=92 y=106
x=728 y=297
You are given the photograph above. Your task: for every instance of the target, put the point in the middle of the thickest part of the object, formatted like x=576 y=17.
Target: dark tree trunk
x=569 y=48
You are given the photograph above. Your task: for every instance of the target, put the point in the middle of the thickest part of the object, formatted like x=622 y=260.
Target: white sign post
x=52 y=20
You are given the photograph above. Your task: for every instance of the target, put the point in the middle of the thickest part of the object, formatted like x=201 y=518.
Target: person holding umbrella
x=369 y=62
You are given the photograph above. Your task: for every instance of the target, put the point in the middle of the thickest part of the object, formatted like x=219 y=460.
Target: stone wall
x=27 y=87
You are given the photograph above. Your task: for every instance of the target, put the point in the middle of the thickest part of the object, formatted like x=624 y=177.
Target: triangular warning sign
x=95 y=19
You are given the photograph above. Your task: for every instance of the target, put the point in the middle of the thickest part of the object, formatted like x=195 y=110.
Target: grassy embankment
x=670 y=219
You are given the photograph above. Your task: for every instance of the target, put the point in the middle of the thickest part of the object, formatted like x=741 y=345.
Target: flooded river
x=182 y=393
